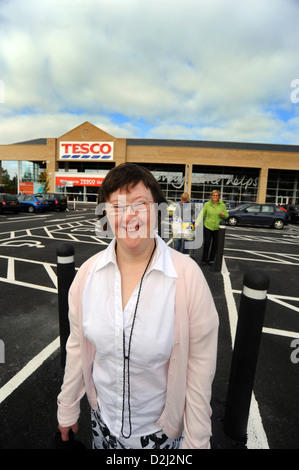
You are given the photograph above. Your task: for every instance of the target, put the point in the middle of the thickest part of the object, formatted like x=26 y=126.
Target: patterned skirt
x=103 y=439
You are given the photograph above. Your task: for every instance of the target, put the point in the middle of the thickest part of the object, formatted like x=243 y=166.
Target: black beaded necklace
x=126 y=358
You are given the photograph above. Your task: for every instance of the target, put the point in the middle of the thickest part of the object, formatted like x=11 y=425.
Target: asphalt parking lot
x=31 y=374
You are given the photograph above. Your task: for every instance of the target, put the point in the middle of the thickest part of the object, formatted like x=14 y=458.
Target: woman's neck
x=125 y=256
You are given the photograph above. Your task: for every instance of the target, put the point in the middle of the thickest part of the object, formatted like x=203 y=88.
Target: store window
x=236 y=185
x=283 y=187
x=29 y=177
x=171 y=178
x=80 y=181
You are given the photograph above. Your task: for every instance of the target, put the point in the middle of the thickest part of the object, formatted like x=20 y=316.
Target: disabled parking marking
x=28 y=370
x=21 y=243
x=264 y=256
x=10 y=277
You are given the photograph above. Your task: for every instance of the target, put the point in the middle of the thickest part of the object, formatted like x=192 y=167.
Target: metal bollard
x=220 y=247
x=65 y=274
x=245 y=354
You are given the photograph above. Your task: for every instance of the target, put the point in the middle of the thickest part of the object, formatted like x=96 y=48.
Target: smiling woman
x=143 y=331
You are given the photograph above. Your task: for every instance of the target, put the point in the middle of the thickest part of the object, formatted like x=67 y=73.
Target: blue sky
x=169 y=69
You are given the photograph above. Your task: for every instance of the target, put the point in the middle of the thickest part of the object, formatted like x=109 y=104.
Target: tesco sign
x=86 y=151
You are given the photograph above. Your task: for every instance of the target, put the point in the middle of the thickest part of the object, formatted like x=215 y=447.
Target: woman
x=144 y=330
x=213 y=212
x=184 y=208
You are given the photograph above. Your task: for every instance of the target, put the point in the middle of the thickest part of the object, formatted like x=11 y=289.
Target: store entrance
x=282 y=200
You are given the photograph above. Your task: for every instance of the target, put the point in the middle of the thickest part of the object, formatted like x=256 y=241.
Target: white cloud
x=188 y=69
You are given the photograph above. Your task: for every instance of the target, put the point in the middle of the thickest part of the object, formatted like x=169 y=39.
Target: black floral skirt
x=103 y=439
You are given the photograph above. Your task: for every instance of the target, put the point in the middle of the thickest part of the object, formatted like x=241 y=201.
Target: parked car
x=32 y=203
x=56 y=201
x=293 y=212
x=9 y=203
x=258 y=214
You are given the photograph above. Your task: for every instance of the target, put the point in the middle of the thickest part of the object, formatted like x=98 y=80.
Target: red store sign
x=88 y=151
x=78 y=181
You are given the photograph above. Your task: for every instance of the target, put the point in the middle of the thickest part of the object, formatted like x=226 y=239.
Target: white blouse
x=153 y=336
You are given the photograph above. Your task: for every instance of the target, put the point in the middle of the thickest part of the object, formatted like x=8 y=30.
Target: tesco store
x=77 y=162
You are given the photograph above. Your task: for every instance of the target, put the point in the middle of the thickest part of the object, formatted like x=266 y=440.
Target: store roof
x=212 y=144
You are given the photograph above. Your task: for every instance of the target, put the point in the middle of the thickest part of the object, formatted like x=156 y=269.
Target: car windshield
x=39 y=198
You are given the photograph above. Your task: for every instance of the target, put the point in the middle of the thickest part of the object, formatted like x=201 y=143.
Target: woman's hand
x=65 y=431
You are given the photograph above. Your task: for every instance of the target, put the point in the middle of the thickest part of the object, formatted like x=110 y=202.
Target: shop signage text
x=177 y=180
x=78 y=181
x=86 y=151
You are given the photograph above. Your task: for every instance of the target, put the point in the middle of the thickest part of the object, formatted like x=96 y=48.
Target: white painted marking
x=11 y=269
x=288 y=334
x=27 y=370
x=276 y=298
x=52 y=274
x=27 y=284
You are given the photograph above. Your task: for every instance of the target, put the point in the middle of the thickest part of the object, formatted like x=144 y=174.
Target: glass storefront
x=283 y=187
x=80 y=181
x=29 y=177
x=236 y=185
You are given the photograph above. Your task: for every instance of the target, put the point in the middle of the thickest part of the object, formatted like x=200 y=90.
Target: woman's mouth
x=132 y=228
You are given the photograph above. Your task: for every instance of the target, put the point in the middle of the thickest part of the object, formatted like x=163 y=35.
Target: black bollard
x=245 y=354
x=65 y=275
x=220 y=247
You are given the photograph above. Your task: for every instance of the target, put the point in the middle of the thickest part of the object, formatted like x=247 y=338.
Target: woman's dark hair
x=125 y=176
x=128 y=175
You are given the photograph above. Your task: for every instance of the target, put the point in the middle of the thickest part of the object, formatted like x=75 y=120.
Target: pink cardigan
x=192 y=362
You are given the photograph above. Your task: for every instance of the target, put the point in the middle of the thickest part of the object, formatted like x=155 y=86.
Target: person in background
x=214 y=211
x=185 y=212
x=143 y=331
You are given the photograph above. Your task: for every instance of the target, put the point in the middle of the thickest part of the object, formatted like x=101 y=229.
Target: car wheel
x=278 y=224
x=232 y=221
x=31 y=209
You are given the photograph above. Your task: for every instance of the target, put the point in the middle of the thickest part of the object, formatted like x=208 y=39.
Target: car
x=293 y=212
x=171 y=206
x=258 y=214
x=56 y=201
x=33 y=203
x=9 y=203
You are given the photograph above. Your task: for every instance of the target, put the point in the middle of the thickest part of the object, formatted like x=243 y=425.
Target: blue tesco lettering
x=295 y=353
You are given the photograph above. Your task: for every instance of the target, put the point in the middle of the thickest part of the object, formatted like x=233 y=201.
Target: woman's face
x=215 y=197
x=132 y=227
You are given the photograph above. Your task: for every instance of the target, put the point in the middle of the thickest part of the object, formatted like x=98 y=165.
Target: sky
x=216 y=70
